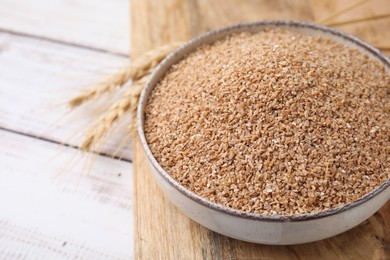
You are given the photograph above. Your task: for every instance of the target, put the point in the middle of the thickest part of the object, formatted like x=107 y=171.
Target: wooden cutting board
x=161 y=231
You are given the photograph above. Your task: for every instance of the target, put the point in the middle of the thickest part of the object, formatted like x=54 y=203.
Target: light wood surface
x=53 y=204
x=51 y=208
x=161 y=231
x=102 y=25
x=42 y=76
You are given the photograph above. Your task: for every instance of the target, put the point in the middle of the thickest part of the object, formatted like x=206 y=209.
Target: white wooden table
x=52 y=204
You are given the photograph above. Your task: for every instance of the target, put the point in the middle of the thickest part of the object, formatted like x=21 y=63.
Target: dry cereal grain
x=276 y=122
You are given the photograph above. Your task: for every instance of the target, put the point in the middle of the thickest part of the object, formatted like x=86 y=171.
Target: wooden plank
x=56 y=209
x=38 y=77
x=155 y=236
x=161 y=231
x=152 y=26
x=97 y=24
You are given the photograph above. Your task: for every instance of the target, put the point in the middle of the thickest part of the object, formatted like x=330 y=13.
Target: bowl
x=257 y=228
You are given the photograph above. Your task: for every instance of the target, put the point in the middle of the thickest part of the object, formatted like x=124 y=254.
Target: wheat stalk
x=342 y=11
x=139 y=72
x=110 y=85
x=140 y=67
x=128 y=103
x=358 y=20
x=383 y=47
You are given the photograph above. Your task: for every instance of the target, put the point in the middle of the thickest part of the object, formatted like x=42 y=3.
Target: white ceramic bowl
x=264 y=229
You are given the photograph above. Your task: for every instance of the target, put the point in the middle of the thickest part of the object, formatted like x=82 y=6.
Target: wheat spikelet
x=140 y=67
x=128 y=103
x=140 y=70
x=150 y=60
x=110 y=85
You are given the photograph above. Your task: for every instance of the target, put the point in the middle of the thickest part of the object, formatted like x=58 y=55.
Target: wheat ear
x=140 y=67
x=95 y=92
x=128 y=103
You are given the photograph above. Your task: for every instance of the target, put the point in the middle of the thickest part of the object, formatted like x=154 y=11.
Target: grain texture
x=161 y=231
x=270 y=135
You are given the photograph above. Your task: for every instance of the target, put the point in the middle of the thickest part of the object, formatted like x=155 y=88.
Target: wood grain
x=55 y=202
x=40 y=76
x=54 y=207
x=161 y=231
x=102 y=25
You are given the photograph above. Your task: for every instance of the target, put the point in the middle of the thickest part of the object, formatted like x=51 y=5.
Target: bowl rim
x=188 y=47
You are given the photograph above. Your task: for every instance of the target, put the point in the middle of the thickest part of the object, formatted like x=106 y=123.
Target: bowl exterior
x=264 y=230
x=271 y=232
